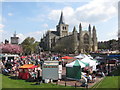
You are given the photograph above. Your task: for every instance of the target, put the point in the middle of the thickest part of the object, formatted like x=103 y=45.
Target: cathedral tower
x=80 y=39
x=90 y=36
x=94 y=39
x=75 y=39
x=62 y=28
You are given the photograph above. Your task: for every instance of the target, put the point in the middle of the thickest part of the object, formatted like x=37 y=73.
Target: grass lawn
x=0 y=81
x=12 y=83
x=110 y=81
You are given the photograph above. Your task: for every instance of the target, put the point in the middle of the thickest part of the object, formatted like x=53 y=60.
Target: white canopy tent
x=80 y=56
x=88 y=59
x=92 y=63
x=90 y=56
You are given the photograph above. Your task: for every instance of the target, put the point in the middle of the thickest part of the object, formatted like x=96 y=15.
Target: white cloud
x=54 y=14
x=53 y=29
x=37 y=35
x=92 y=12
x=21 y=37
x=10 y=14
x=45 y=25
x=1 y=31
x=2 y=26
x=97 y=11
x=4 y=35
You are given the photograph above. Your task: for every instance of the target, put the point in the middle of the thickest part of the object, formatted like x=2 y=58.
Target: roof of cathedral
x=61 y=21
x=54 y=32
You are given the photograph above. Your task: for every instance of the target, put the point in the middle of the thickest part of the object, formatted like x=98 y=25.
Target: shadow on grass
x=30 y=80
x=14 y=77
x=35 y=84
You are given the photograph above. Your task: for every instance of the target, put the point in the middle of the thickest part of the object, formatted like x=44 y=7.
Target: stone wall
x=66 y=44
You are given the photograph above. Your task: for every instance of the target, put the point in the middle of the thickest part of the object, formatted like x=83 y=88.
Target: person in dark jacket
x=38 y=77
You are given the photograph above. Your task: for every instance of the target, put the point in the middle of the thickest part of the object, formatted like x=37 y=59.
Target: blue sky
x=35 y=18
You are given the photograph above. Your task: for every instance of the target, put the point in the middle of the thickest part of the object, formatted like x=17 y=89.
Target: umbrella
x=67 y=57
x=28 y=66
x=23 y=56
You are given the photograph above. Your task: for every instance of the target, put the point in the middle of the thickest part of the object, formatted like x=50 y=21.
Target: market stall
x=73 y=69
x=24 y=71
x=52 y=70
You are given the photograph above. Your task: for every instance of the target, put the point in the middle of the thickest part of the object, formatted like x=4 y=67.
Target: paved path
x=73 y=82
x=76 y=83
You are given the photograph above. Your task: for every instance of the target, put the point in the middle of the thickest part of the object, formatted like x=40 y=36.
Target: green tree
x=29 y=46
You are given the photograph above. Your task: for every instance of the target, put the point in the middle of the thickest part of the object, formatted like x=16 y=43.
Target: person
x=84 y=82
x=90 y=78
x=38 y=77
x=5 y=71
x=33 y=74
x=87 y=76
x=93 y=77
x=103 y=75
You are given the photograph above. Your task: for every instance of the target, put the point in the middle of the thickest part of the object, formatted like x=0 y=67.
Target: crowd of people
x=89 y=77
x=11 y=67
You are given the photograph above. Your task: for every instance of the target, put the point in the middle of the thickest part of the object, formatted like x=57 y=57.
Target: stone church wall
x=65 y=44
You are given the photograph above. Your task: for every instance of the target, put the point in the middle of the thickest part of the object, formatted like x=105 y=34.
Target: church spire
x=89 y=28
x=61 y=21
x=80 y=27
x=15 y=34
x=74 y=29
x=94 y=33
x=94 y=28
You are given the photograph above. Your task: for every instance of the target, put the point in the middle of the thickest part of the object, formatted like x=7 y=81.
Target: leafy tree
x=29 y=46
x=110 y=45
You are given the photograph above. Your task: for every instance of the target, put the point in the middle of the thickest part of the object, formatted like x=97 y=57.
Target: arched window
x=86 y=39
x=63 y=27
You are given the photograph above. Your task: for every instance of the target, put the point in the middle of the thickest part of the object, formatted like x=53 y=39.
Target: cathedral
x=62 y=40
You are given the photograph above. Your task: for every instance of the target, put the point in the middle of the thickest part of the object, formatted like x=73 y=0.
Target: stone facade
x=14 y=39
x=76 y=42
